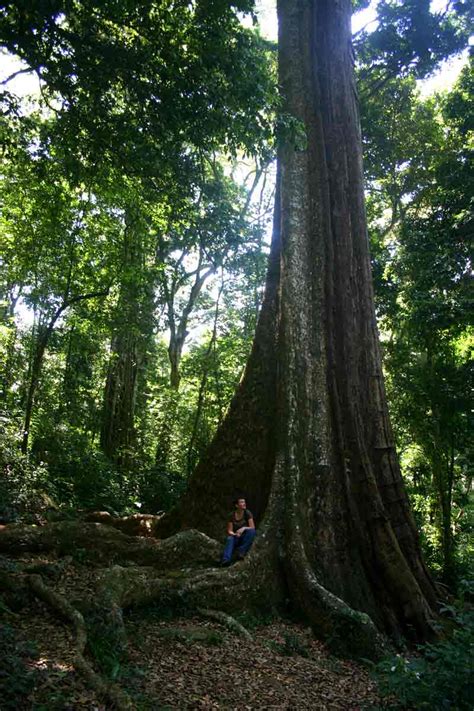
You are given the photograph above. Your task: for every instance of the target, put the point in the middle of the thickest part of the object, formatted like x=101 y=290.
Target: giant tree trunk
x=307 y=437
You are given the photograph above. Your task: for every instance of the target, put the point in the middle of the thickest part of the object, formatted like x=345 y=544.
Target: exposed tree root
x=52 y=570
x=105 y=545
x=135 y=525
x=11 y=591
x=116 y=697
x=344 y=629
x=176 y=573
x=226 y=620
x=250 y=586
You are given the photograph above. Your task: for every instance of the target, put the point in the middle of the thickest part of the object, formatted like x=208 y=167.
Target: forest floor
x=171 y=662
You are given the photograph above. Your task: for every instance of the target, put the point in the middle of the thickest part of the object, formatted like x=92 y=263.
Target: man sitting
x=240 y=532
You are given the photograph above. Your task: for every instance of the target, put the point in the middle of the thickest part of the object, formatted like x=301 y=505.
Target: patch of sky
x=16 y=77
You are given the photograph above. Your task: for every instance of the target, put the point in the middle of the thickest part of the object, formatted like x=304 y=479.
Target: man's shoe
x=225 y=563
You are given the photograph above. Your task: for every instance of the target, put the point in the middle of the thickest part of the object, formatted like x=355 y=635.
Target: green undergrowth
x=192 y=635
x=63 y=473
x=438 y=676
x=256 y=619
x=293 y=645
x=105 y=644
x=162 y=611
x=18 y=677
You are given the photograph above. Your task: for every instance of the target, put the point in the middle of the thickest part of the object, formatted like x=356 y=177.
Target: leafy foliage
x=116 y=204
x=410 y=40
x=439 y=677
x=24 y=484
x=17 y=679
x=420 y=192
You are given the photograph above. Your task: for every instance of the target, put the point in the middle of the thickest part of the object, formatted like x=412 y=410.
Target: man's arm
x=250 y=524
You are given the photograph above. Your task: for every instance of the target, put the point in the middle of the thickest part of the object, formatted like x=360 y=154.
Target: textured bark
x=307 y=437
x=339 y=448
x=117 y=432
x=36 y=367
x=309 y=425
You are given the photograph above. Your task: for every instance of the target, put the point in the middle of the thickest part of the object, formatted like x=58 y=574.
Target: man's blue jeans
x=240 y=544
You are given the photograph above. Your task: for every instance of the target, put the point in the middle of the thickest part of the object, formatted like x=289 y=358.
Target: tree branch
x=27 y=70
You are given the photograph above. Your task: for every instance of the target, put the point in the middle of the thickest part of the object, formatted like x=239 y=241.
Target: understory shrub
x=64 y=472
x=23 y=482
x=17 y=677
x=291 y=646
x=440 y=676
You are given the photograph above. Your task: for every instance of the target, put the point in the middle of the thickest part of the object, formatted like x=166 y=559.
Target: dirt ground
x=172 y=662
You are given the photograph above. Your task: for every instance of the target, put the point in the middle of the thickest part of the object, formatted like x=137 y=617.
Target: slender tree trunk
x=42 y=340
x=308 y=437
x=132 y=328
x=448 y=547
x=8 y=369
x=450 y=552
x=241 y=457
x=43 y=336
x=178 y=323
x=166 y=430
x=175 y=350
x=440 y=454
x=67 y=404
x=442 y=483
x=203 y=385
x=117 y=434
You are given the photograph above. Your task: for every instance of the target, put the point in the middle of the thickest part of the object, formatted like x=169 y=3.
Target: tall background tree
x=152 y=147
x=420 y=203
